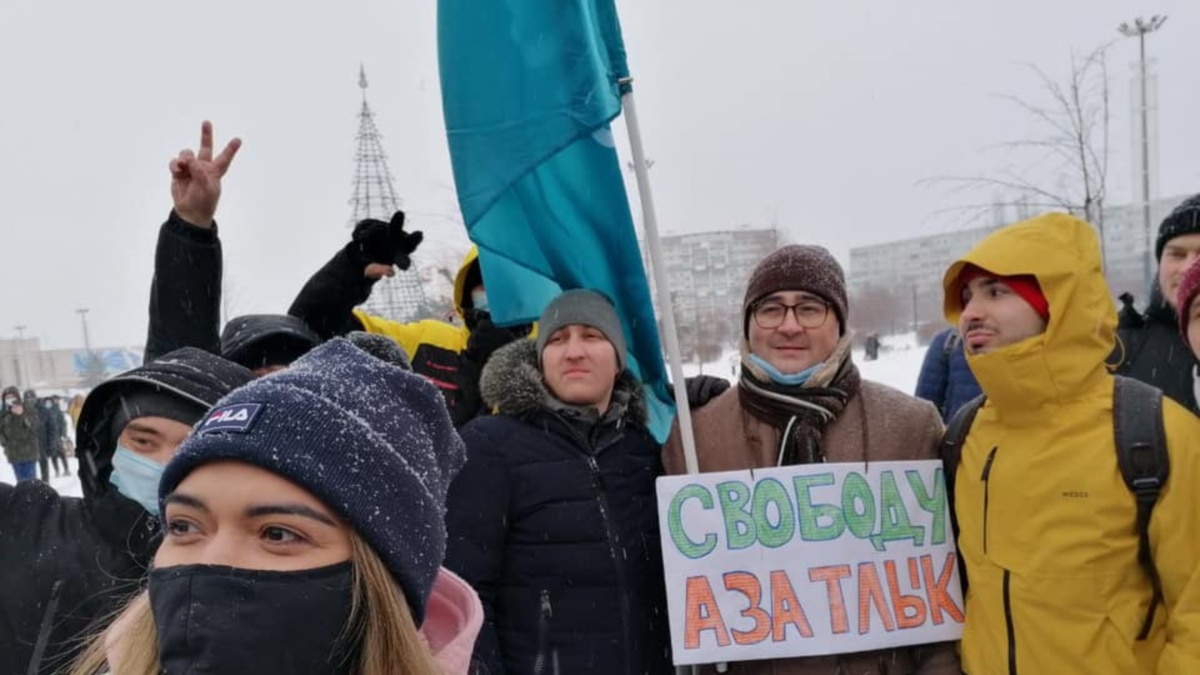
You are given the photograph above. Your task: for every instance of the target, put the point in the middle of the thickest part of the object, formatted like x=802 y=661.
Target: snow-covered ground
x=898 y=365
x=65 y=486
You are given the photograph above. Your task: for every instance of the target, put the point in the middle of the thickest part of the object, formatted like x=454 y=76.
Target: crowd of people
x=33 y=432
x=327 y=491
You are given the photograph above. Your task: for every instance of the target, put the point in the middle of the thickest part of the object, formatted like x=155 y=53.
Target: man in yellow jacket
x=1046 y=522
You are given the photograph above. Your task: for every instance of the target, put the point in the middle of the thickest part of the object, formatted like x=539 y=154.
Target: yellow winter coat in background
x=1046 y=523
x=438 y=335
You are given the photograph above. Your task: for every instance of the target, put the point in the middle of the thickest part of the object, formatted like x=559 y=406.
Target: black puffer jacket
x=67 y=564
x=1154 y=352
x=554 y=522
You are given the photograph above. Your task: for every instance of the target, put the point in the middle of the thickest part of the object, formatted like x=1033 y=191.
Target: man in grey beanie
x=554 y=520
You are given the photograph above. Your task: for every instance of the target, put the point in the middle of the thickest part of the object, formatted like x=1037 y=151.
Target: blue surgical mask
x=479 y=299
x=777 y=377
x=136 y=477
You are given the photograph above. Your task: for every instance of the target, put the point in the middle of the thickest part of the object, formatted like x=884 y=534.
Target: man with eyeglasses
x=800 y=400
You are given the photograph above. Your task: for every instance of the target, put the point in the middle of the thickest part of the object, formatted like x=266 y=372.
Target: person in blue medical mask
x=70 y=561
x=800 y=400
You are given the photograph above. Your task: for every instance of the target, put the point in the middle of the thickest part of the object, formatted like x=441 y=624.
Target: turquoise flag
x=528 y=90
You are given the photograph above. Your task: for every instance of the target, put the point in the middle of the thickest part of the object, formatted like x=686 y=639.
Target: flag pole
x=650 y=222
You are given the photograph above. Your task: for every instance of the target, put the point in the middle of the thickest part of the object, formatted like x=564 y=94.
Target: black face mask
x=228 y=621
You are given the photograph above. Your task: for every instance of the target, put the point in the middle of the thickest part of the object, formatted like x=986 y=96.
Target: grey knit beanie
x=587 y=308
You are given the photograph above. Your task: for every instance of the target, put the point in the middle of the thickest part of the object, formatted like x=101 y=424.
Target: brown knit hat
x=797 y=268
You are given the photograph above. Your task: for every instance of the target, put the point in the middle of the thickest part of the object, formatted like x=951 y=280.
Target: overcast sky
x=820 y=114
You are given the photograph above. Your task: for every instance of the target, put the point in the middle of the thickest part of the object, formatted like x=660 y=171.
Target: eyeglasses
x=809 y=313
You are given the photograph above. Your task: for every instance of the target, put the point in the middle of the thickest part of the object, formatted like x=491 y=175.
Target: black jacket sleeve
x=185 y=293
x=327 y=301
x=476 y=513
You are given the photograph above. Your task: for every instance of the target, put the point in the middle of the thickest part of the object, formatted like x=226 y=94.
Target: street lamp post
x=22 y=371
x=1140 y=28
x=87 y=342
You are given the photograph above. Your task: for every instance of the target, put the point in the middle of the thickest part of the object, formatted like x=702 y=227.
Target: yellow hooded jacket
x=1046 y=523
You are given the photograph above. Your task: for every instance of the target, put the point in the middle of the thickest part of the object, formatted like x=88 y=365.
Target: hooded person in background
x=30 y=402
x=185 y=293
x=18 y=435
x=946 y=380
x=67 y=560
x=800 y=400
x=275 y=558
x=52 y=429
x=1149 y=348
x=554 y=519
x=450 y=356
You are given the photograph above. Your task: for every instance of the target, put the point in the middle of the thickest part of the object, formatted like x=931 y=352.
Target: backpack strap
x=951 y=451
x=1145 y=466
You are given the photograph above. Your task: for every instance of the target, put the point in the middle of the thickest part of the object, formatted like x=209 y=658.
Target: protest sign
x=807 y=560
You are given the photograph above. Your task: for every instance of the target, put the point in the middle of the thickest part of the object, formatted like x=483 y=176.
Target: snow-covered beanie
x=371 y=440
x=1185 y=219
x=797 y=268
x=583 y=307
x=1024 y=285
x=1189 y=288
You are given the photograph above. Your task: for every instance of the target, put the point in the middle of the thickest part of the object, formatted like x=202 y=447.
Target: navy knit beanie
x=372 y=441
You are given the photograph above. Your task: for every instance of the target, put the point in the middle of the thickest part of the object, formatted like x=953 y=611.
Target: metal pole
x=650 y=223
x=87 y=342
x=22 y=371
x=1147 y=266
x=1140 y=27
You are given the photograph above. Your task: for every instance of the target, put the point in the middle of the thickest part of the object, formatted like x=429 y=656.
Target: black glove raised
x=385 y=243
x=703 y=388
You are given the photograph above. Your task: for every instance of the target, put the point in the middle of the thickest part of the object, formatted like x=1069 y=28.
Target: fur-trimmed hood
x=512 y=384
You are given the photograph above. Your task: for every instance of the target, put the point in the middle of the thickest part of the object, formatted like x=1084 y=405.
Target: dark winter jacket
x=556 y=527
x=66 y=564
x=185 y=293
x=185 y=305
x=1155 y=353
x=19 y=434
x=52 y=427
x=946 y=380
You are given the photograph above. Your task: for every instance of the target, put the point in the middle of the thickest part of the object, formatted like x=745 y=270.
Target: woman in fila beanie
x=303 y=534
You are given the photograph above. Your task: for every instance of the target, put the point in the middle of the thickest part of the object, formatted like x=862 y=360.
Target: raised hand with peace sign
x=196 y=178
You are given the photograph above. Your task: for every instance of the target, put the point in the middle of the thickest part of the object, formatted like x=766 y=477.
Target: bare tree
x=1066 y=167
x=878 y=309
